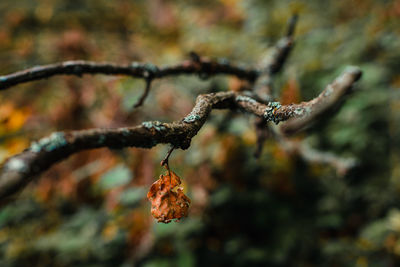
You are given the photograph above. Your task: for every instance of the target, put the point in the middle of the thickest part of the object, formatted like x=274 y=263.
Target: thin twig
x=165 y=160
x=262 y=133
x=292 y=25
x=144 y=94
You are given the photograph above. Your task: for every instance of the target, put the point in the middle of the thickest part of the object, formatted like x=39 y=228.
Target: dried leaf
x=166 y=203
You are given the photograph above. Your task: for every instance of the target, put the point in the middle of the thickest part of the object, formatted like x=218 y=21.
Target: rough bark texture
x=22 y=168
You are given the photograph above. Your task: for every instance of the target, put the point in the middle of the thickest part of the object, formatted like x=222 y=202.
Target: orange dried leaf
x=167 y=204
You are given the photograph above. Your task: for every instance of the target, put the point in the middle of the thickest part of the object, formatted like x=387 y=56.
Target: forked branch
x=20 y=169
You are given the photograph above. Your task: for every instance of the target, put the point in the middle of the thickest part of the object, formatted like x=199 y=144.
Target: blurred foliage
x=90 y=210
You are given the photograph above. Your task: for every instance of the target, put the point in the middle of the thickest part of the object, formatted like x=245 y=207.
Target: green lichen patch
x=151 y=68
x=191 y=118
x=299 y=111
x=242 y=98
x=275 y=105
x=54 y=141
x=158 y=126
x=302 y=111
x=269 y=113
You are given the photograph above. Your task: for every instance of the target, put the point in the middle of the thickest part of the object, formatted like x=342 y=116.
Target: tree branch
x=331 y=97
x=138 y=70
x=20 y=169
x=263 y=86
x=144 y=94
x=292 y=25
x=307 y=153
x=274 y=63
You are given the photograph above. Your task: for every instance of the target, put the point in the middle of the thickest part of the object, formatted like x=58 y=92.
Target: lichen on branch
x=20 y=169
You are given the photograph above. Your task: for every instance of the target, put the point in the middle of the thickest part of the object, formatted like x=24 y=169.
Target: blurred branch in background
x=135 y=69
x=263 y=87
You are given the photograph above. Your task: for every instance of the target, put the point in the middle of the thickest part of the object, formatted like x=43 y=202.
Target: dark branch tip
x=145 y=93
x=355 y=71
x=292 y=25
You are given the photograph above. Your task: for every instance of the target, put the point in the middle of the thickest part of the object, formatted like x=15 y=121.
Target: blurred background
x=278 y=210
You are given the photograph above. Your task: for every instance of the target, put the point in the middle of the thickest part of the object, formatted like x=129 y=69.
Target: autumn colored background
x=278 y=210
